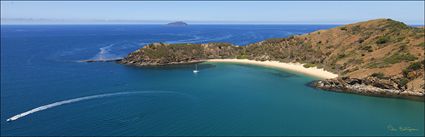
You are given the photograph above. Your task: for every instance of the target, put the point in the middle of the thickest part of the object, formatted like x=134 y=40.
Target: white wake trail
x=41 y=108
x=104 y=53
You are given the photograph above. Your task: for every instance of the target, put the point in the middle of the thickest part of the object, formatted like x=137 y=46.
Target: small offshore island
x=379 y=57
x=177 y=23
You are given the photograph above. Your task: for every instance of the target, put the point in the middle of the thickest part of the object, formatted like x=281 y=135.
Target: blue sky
x=239 y=12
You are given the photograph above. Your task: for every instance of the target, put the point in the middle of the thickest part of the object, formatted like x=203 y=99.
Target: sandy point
x=296 y=67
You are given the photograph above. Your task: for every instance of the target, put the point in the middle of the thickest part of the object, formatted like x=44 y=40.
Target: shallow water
x=39 y=66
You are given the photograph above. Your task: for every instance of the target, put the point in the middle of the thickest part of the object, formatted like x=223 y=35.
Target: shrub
x=403 y=81
x=242 y=57
x=377 y=65
x=355 y=29
x=275 y=40
x=368 y=48
x=405 y=72
x=308 y=65
x=421 y=44
x=379 y=75
x=343 y=28
x=382 y=40
x=340 y=56
x=414 y=66
x=398 y=57
x=403 y=47
x=400 y=39
x=397 y=25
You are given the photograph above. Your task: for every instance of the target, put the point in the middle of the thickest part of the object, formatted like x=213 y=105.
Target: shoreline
x=357 y=86
x=295 y=67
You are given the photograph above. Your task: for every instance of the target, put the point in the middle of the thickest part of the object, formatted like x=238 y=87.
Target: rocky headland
x=378 y=57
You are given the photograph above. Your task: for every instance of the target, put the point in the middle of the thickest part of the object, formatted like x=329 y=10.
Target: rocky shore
x=369 y=86
x=97 y=60
x=147 y=64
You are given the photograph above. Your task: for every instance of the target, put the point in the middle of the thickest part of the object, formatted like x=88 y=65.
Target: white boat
x=196 y=69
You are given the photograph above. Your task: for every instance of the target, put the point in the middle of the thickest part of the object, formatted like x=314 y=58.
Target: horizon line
x=165 y=24
x=43 y=21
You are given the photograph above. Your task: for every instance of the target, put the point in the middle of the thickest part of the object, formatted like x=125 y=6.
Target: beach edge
x=295 y=67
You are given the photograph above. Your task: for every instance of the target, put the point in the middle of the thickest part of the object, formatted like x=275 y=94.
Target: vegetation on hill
x=381 y=49
x=163 y=54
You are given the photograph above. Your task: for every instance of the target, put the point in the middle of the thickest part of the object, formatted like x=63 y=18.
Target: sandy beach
x=296 y=67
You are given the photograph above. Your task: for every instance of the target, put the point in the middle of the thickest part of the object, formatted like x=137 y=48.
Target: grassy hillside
x=381 y=48
x=163 y=54
x=383 y=51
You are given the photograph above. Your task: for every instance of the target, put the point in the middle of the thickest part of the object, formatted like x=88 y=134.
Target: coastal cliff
x=376 y=57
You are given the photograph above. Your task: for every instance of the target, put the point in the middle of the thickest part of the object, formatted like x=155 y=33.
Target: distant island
x=379 y=57
x=177 y=23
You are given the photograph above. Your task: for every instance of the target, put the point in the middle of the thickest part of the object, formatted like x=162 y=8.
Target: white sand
x=297 y=67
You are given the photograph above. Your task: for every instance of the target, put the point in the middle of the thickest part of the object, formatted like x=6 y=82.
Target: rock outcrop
x=368 y=86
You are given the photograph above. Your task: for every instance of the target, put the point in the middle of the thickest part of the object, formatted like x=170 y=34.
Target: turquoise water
x=39 y=66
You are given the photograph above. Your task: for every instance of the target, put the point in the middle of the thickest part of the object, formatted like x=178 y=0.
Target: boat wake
x=117 y=51
x=56 y=104
x=105 y=55
x=113 y=52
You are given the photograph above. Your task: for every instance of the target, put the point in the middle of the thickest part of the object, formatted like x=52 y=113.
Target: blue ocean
x=46 y=90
